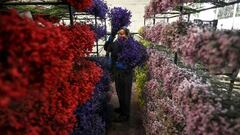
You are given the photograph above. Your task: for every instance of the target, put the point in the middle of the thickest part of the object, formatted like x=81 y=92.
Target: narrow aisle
x=134 y=125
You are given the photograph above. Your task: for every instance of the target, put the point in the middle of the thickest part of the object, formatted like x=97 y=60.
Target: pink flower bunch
x=156 y=121
x=218 y=51
x=172 y=109
x=192 y=104
x=187 y=49
x=168 y=35
x=153 y=33
x=159 y=6
x=150 y=113
x=203 y=116
x=171 y=33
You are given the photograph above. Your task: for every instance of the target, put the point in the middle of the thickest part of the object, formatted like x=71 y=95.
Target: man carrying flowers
x=126 y=54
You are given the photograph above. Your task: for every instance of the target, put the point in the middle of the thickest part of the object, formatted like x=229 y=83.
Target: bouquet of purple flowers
x=100 y=31
x=99 y=9
x=133 y=53
x=119 y=18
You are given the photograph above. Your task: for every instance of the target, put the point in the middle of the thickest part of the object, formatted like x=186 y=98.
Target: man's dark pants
x=123 y=82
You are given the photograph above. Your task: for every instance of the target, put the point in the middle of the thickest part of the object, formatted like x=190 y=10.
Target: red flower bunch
x=83 y=79
x=83 y=40
x=80 y=5
x=39 y=86
x=36 y=64
x=26 y=51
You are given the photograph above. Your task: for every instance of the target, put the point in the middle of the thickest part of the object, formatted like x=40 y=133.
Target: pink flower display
x=217 y=51
x=177 y=101
x=159 y=6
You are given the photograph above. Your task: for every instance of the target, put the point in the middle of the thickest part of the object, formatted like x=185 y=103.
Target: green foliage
x=145 y=43
x=141 y=79
x=56 y=11
x=141 y=30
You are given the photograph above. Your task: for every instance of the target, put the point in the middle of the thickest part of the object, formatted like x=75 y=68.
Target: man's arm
x=110 y=40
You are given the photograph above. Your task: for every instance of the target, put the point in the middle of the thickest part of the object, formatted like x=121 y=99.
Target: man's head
x=123 y=33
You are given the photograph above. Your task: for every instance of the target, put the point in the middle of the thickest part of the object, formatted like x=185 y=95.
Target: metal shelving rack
x=188 y=11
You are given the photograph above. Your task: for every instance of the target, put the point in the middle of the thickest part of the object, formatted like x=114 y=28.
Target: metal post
x=70 y=14
x=181 y=10
x=180 y=19
x=189 y=15
x=154 y=15
x=234 y=15
x=154 y=19
x=96 y=37
x=231 y=87
x=233 y=77
x=175 y=58
x=105 y=23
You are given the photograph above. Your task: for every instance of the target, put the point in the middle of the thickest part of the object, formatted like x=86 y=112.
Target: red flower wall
x=41 y=79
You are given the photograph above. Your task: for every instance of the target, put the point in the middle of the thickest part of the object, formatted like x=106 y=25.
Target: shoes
x=121 y=118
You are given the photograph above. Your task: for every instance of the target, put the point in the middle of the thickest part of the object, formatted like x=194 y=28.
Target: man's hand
x=121 y=66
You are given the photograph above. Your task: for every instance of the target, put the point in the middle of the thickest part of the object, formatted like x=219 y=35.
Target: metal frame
x=95 y=18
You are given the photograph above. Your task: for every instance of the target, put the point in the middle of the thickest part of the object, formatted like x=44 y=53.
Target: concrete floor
x=134 y=125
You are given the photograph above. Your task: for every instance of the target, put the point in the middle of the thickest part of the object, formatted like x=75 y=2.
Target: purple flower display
x=99 y=9
x=119 y=17
x=133 y=53
x=100 y=31
x=92 y=116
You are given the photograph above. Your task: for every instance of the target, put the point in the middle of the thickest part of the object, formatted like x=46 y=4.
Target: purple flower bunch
x=99 y=9
x=100 y=31
x=119 y=18
x=186 y=104
x=88 y=121
x=132 y=54
x=92 y=116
